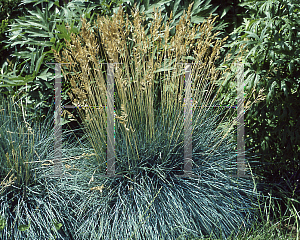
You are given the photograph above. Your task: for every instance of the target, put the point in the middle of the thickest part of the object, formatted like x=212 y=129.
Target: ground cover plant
x=30 y=206
x=148 y=200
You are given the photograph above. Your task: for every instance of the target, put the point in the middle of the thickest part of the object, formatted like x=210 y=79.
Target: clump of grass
x=30 y=207
x=149 y=201
x=273 y=223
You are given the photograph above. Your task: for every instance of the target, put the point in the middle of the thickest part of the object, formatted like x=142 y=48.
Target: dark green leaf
x=225 y=11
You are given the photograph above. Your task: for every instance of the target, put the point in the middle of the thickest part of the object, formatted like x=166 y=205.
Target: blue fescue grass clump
x=30 y=206
x=148 y=200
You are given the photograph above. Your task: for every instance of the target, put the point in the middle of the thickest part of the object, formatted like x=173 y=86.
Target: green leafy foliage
x=271 y=38
x=7 y=11
x=201 y=10
x=31 y=37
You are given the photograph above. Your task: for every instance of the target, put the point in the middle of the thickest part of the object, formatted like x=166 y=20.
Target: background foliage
x=271 y=36
x=30 y=39
x=9 y=10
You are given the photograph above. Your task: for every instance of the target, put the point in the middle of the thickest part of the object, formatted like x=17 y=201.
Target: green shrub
x=271 y=36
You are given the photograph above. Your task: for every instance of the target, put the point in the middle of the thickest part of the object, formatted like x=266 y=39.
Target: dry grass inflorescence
x=150 y=59
x=149 y=76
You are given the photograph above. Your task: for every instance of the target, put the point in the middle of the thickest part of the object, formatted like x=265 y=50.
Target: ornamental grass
x=30 y=206
x=148 y=200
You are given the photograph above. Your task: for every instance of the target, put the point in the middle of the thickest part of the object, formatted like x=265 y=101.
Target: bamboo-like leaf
x=176 y=4
x=197 y=19
x=252 y=51
x=37 y=14
x=57 y=3
x=16 y=81
x=291 y=66
x=156 y=5
x=38 y=34
x=40 y=60
x=250 y=79
x=264 y=35
x=257 y=78
x=197 y=6
x=45 y=75
x=22 y=54
x=253 y=35
x=50 y=4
